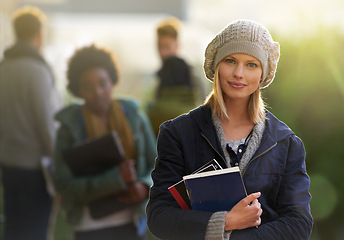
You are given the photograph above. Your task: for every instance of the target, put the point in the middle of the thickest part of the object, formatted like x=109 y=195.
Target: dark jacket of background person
x=176 y=93
x=26 y=128
x=77 y=192
x=188 y=142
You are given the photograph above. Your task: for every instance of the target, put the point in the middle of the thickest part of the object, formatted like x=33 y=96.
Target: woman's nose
x=97 y=91
x=239 y=72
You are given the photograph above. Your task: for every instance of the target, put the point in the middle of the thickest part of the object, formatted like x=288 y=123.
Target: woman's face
x=95 y=87
x=239 y=76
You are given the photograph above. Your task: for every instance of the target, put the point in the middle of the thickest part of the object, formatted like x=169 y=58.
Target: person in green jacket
x=92 y=74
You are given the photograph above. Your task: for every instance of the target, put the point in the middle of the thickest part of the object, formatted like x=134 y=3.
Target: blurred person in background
x=26 y=129
x=168 y=47
x=234 y=127
x=92 y=75
x=174 y=95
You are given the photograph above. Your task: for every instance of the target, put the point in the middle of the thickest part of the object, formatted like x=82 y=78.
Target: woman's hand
x=245 y=213
x=128 y=172
x=136 y=191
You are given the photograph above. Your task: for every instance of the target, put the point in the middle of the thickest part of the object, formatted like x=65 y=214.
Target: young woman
x=92 y=74
x=234 y=127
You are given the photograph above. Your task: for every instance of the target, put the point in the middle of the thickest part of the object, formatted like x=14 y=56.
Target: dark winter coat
x=277 y=170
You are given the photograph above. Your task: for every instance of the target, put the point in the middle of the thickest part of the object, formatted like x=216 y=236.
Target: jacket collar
x=202 y=117
x=274 y=128
x=275 y=131
x=71 y=117
x=23 y=49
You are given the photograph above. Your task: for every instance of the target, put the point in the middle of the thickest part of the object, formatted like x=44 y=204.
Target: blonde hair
x=169 y=27
x=27 y=22
x=255 y=108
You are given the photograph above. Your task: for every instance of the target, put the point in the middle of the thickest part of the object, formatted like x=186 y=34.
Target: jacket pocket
x=265 y=175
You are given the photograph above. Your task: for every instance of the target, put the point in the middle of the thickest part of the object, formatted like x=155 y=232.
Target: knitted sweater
x=217 y=221
x=26 y=113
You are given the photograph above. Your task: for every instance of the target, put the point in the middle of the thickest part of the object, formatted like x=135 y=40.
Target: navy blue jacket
x=277 y=170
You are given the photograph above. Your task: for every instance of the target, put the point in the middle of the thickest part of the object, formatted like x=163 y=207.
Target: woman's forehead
x=243 y=56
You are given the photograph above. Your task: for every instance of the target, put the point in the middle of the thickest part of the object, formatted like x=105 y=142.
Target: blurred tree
x=308 y=94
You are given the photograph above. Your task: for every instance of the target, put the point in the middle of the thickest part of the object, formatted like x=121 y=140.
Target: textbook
x=215 y=190
x=178 y=189
x=95 y=156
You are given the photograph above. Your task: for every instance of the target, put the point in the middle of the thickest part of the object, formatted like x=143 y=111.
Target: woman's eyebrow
x=231 y=57
x=250 y=60
x=253 y=61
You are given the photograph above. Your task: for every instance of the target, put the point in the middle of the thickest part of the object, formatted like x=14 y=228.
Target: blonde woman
x=234 y=127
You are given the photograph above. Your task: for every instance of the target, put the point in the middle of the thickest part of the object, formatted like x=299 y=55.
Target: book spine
x=178 y=198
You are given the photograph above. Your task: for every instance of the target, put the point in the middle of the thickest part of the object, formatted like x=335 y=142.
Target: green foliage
x=308 y=94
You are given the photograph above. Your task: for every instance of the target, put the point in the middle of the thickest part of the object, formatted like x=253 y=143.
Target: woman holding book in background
x=234 y=127
x=92 y=74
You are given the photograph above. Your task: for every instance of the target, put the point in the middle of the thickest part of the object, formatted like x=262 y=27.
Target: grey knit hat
x=244 y=36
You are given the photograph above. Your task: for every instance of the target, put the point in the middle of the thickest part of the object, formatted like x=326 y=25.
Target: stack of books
x=210 y=188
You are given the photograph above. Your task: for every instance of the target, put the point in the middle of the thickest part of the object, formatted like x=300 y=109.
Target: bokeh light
x=324 y=197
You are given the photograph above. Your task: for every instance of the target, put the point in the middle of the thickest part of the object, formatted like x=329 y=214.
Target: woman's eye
x=86 y=88
x=228 y=60
x=103 y=83
x=252 y=65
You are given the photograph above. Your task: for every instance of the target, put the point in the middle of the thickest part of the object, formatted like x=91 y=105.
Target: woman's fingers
x=250 y=198
x=245 y=214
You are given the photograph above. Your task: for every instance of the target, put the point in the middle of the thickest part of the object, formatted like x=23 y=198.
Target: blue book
x=178 y=189
x=216 y=190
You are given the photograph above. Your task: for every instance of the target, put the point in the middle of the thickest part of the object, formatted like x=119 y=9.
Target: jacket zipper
x=214 y=148
x=257 y=157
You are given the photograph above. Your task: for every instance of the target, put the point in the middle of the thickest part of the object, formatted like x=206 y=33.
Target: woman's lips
x=237 y=85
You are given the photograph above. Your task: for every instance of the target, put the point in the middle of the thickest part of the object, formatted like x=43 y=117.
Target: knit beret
x=244 y=36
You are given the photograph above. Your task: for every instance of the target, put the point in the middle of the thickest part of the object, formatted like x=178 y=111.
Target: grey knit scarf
x=252 y=146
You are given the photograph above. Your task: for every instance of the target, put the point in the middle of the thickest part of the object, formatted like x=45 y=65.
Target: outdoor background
x=307 y=93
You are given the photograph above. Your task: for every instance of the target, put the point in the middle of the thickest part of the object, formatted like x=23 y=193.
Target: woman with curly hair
x=92 y=74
